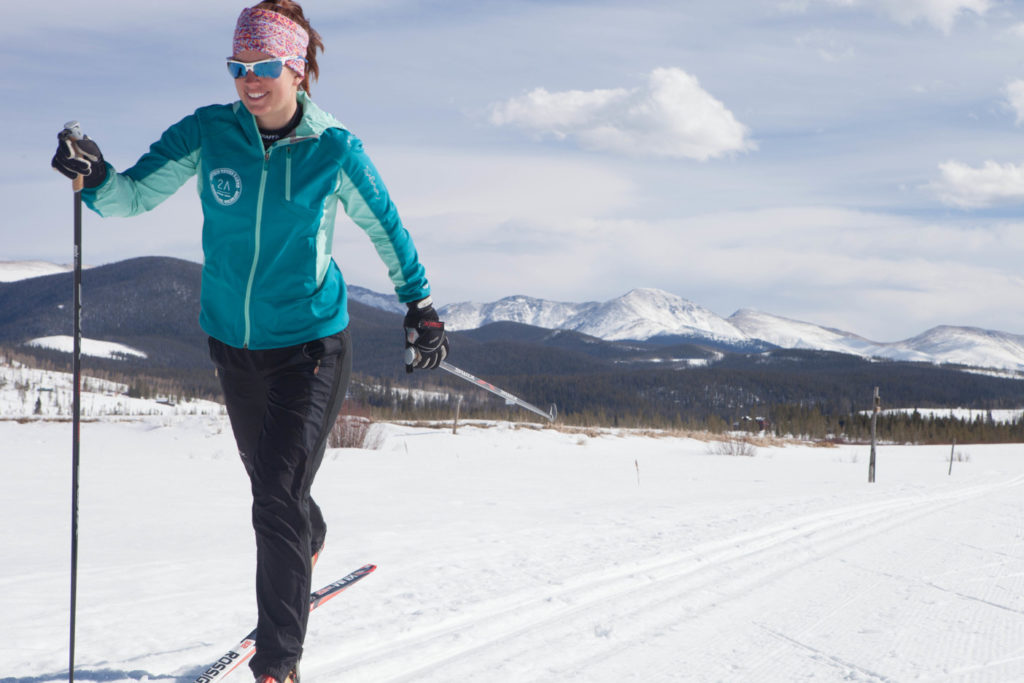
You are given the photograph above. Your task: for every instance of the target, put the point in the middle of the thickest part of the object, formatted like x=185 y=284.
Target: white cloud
x=942 y=14
x=968 y=187
x=1015 y=96
x=671 y=116
x=818 y=264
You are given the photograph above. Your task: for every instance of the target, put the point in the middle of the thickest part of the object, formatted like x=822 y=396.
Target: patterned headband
x=266 y=31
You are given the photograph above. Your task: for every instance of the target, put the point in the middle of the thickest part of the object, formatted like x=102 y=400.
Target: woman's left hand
x=426 y=344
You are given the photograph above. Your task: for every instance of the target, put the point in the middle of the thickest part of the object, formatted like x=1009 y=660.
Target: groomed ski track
x=598 y=625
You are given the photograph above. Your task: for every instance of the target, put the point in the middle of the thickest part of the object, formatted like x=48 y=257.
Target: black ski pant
x=282 y=404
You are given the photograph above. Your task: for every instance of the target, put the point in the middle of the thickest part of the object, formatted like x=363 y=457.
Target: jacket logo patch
x=226 y=185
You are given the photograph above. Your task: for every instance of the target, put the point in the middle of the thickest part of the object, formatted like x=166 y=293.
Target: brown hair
x=293 y=11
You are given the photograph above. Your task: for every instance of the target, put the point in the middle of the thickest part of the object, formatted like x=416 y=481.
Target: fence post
x=952 y=450
x=874 y=419
x=455 y=424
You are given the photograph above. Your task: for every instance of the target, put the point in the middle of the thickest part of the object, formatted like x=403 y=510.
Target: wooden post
x=952 y=450
x=874 y=419
x=455 y=424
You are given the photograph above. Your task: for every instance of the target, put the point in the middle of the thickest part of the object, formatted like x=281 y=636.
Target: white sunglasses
x=265 y=68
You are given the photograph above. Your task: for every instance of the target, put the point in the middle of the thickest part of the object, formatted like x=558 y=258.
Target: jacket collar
x=314 y=121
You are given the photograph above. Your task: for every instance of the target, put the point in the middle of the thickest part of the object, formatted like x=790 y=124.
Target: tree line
x=804 y=394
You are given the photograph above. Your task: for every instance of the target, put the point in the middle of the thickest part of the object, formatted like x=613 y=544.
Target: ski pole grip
x=412 y=356
x=74 y=130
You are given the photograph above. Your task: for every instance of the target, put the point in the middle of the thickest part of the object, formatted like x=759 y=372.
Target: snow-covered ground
x=90 y=347
x=518 y=554
x=40 y=394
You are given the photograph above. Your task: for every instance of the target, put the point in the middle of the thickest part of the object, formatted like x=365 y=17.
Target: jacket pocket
x=326 y=350
x=216 y=351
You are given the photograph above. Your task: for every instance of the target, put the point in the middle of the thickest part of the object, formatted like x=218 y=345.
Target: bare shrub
x=351 y=427
x=732 y=446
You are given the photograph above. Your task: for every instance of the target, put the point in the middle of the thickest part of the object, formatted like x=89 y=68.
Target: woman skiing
x=272 y=169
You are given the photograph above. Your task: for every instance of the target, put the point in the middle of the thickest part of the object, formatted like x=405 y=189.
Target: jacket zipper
x=256 y=248
x=247 y=313
x=288 y=175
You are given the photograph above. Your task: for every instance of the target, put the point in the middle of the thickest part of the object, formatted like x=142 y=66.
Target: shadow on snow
x=102 y=675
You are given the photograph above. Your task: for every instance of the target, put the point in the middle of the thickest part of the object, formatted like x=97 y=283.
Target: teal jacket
x=269 y=279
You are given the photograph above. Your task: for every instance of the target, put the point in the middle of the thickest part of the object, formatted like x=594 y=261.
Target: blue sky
x=853 y=163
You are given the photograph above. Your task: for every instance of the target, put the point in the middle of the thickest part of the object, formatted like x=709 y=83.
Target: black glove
x=425 y=342
x=79 y=158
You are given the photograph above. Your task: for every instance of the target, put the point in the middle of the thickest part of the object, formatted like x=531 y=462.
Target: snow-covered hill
x=970 y=346
x=384 y=302
x=639 y=314
x=11 y=271
x=964 y=345
x=30 y=392
x=647 y=313
x=90 y=347
x=519 y=309
x=794 y=334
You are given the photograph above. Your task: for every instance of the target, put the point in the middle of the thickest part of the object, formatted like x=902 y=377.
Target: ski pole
x=75 y=133
x=509 y=398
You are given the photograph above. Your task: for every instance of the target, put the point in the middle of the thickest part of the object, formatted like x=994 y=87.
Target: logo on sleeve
x=226 y=185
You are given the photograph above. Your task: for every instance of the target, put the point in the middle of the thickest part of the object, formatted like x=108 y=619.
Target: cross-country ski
x=234 y=658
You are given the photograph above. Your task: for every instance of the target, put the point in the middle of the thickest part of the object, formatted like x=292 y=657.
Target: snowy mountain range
x=657 y=316
x=970 y=346
x=653 y=315
x=640 y=314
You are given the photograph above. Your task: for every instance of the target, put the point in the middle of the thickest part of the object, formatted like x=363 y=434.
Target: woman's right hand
x=79 y=158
